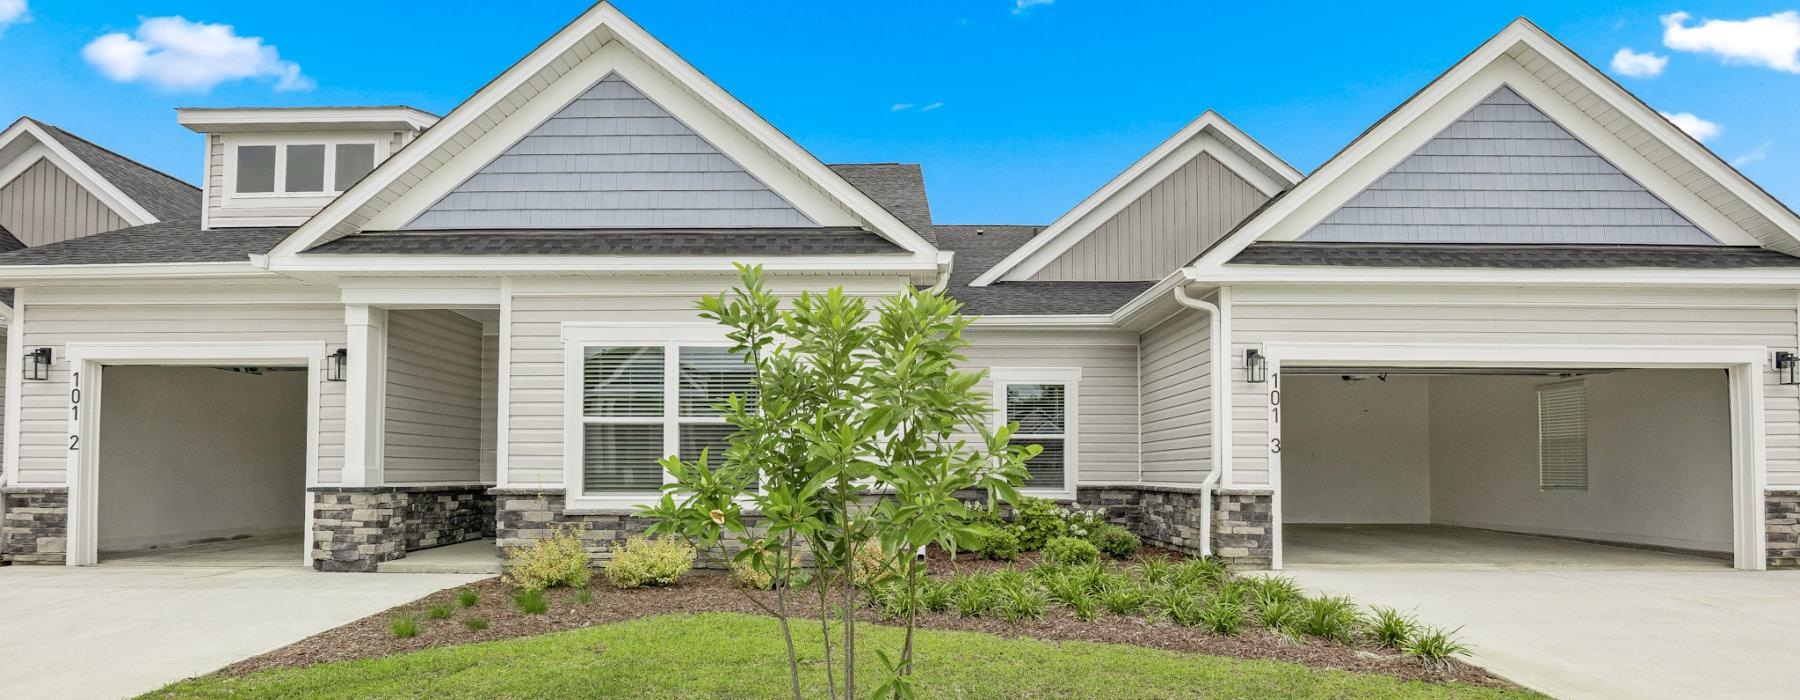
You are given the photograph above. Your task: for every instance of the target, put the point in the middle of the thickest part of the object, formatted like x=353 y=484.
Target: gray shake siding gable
x=1506 y=173
x=611 y=158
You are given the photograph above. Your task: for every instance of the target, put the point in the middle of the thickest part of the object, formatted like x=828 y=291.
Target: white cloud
x=931 y=106
x=1696 y=127
x=175 y=54
x=1638 y=65
x=1761 y=152
x=1772 y=41
x=900 y=107
x=13 y=12
x=1020 y=6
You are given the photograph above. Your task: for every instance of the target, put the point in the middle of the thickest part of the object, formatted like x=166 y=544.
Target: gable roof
x=1615 y=123
x=136 y=192
x=1210 y=134
x=979 y=247
x=603 y=40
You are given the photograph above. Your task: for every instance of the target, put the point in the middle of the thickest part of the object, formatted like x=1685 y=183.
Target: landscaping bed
x=702 y=592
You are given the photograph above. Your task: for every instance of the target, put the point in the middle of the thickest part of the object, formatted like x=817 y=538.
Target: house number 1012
x=74 y=409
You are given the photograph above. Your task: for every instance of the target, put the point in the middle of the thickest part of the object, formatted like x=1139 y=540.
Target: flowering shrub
x=1082 y=522
x=1039 y=520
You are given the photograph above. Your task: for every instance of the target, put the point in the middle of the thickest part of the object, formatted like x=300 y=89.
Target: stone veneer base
x=1781 y=527
x=35 y=529
x=355 y=529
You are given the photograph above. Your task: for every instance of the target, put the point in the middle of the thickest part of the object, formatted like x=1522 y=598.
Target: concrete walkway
x=1588 y=633
x=117 y=631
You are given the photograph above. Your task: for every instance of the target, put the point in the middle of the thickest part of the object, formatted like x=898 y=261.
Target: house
x=1523 y=301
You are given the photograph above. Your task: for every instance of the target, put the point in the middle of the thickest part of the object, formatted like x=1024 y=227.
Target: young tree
x=860 y=431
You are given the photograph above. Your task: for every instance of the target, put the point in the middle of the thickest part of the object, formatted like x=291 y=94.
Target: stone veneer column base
x=1244 y=527
x=1174 y=517
x=356 y=528
x=523 y=516
x=1781 y=527
x=36 y=526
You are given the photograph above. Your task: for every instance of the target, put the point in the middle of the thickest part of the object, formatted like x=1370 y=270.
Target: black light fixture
x=37 y=364
x=1785 y=364
x=336 y=363
x=1256 y=367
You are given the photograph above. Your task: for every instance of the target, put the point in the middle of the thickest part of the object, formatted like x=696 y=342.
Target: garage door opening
x=202 y=466
x=1592 y=468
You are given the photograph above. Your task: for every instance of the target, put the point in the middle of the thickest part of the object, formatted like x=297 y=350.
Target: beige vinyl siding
x=432 y=423
x=1176 y=381
x=44 y=406
x=1499 y=316
x=1164 y=229
x=1108 y=395
x=44 y=205
x=490 y=404
x=294 y=212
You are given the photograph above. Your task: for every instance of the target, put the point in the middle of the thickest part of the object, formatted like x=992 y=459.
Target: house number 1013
x=1275 y=412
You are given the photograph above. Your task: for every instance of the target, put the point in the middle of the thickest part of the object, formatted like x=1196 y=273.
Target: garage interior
x=202 y=466
x=1627 y=468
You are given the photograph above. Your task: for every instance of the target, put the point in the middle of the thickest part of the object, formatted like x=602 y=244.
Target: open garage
x=1557 y=466
x=201 y=465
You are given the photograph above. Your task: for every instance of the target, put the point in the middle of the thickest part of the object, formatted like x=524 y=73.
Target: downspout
x=1216 y=365
x=946 y=260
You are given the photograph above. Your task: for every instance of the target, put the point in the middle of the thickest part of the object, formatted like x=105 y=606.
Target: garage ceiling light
x=37 y=364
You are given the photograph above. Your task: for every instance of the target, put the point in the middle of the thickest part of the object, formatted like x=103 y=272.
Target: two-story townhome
x=1522 y=302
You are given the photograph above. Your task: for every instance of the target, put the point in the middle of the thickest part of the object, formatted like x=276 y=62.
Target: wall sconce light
x=1785 y=364
x=1256 y=367
x=336 y=363
x=37 y=364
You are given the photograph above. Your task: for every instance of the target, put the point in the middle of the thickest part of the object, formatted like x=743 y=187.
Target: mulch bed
x=705 y=591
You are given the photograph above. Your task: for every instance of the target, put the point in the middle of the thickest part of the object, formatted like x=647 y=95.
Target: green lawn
x=740 y=656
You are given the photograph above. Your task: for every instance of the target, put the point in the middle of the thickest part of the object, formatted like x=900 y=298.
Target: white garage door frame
x=1744 y=366
x=85 y=394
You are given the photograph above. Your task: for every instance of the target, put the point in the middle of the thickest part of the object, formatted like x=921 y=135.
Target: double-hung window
x=1043 y=402
x=1563 y=436
x=638 y=395
x=298 y=166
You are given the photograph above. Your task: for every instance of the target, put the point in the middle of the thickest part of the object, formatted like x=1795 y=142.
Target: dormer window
x=298 y=167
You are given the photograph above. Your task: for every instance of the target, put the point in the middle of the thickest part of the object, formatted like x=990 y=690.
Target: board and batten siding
x=44 y=405
x=1500 y=316
x=1165 y=228
x=1107 y=398
x=1176 y=381
x=44 y=205
x=432 y=425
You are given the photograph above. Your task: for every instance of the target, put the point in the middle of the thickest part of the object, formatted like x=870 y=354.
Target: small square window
x=354 y=160
x=306 y=168
x=256 y=169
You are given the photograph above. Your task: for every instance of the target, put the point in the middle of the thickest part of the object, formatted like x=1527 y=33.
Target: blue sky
x=1036 y=106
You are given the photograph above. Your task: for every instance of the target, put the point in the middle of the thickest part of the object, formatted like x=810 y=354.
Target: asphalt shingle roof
x=1508 y=256
x=897 y=187
x=178 y=241
x=163 y=196
x=614 y=242
x=980 y=247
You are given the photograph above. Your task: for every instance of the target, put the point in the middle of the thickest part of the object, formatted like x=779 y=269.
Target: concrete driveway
x=1587 y=633
x=117 y=631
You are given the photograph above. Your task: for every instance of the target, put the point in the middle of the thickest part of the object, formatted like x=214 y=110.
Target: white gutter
x=946 y=261
x=1219 y=380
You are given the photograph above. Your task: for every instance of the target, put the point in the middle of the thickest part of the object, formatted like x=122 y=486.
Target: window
x=314 y=168
x=1043 y=403
x=1562 y=435
x=641 y=402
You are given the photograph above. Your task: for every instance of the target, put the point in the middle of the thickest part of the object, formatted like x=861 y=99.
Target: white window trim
x=577 y=338
x=1070 y=378
x=332 y=187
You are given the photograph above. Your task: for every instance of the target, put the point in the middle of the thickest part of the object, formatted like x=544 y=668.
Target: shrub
x=976 y=596
x=468 y=598
x=650 y=562
x=871 y=565
x=1183 y=607
x=1066 y=587
x=1390 y=628
x=1024 y=603
x=557 y=560
x=1082 y=522
x=440 y=611
x=935 y=596
x=1333 y=618
x=1000 y=543
x=475 y=624
x=1038 y=521
x=1153 y=570
x=1281 y=616
x=1198 y=574
x=1223 y=616
x=531 y=601
x=746 y=575
x=405 y=627
x=1124 y=598
x=1115 y=541
x=1435 y=647
x=1268 y=590
x=1068 y=550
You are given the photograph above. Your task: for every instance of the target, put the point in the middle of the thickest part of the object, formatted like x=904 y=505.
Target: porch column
x=365 y=400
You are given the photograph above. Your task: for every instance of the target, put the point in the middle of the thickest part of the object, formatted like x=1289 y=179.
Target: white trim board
x=1411 y=124
x=86 y=392
x=50 y=148
x=599 y=41
x=1210 y=134
x=1070 y=377
x=1745 y=366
